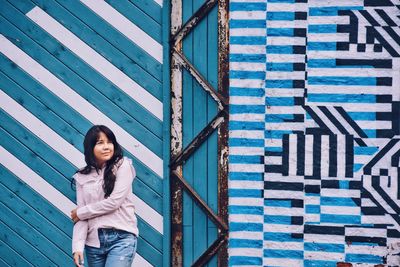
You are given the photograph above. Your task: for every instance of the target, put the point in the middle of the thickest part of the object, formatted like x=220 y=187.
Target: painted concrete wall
x=64 y=66
x=314 y=133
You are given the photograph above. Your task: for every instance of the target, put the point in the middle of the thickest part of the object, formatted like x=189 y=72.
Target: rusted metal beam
x=198 y=140
x=181 y=59
x=192 y=22
x=211 y=251
x=200 y=202
x=223 y=131
x=176 y=142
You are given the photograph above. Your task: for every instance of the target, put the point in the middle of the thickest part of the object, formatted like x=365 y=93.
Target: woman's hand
x=74 y=216
x=78 y=259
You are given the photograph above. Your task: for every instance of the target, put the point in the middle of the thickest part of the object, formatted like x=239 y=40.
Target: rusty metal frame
x=178 y=184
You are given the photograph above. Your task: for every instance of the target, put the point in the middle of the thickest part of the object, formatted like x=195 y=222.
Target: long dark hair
x=89 y=142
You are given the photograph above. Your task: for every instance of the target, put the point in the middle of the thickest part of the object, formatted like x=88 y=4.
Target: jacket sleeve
x=81 y=227
x=123 y=186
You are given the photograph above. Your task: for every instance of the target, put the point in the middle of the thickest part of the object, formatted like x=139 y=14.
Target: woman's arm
x=123 y=186
x=81 y=227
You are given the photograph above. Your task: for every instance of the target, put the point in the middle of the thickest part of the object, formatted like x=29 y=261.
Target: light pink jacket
x=94 y=211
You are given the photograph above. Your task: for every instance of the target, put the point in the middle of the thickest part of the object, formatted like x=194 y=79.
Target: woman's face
x=103 y=150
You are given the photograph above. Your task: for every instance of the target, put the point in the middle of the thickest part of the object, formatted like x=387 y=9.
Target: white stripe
x=330 y=192
x=284 y=58
x=287 y=7
x=328 y=37
x=36 y=182
x=367 y=250
x=284 y=92
x=247 y=15
x=324 y=238
x=252 y=252
x=281 y=228
x=96 y=61
x=246 y=201
x=320 y=255
x=240 y=184
x=281 y=194
x=341 y=156
x=271 y=160
x=369 y=232
x=284 y=245
x=286 y=75
x=247 y=32
x=247 y=117
x=285 y=126
x=247 y=66
x=345 y=54
x=324 y=156
x=46 y=190
x=246 y=151
x=73 y=99
x=126 y=27
x=292 y=154
x=282 y=262
x=247 y=49
x=308 y=161
x=375 y=124
x=286 y=41
x=285 y=211
x=246 y=218
x=258 y=84
x=321 y=89
x=41 y=130
x=334 y=20
x=349 y=72
x=246 y=100
x=68 y=151
x=287 y=24
x=273 y=142
x=246 y=134
x=340 y=210
x=246 y=235
x=284 y=110
x=258 y=168
x=326 y=3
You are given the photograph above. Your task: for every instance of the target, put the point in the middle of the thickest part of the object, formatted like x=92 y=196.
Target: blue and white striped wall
x=314 y=133
x=65 y=66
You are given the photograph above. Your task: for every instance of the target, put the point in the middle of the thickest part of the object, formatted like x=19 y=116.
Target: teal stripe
x=21 y=246
x=32 y=160
x=36 y=221
x=146 y=232
x=35 y=238
x=103 y=32
x=9 y=257
x=43 y=112
x=59 y=169
x=36 y=201
x=147 y=131
x=151 y=8
x=188 y=129
x=138 y=17
x=122 y=54
x=74 y=119
x=166 y=241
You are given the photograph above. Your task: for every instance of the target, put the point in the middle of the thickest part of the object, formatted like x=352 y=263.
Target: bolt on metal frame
x=179 y=154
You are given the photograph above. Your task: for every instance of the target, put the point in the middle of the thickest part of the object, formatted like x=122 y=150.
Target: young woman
x=105 y=221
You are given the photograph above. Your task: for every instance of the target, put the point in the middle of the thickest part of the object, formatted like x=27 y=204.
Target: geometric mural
x=314 y=133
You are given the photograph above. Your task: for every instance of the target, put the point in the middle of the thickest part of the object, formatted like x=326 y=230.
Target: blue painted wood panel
x=200 y=170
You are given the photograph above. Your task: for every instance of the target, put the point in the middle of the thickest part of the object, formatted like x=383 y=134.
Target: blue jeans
x=117 y=249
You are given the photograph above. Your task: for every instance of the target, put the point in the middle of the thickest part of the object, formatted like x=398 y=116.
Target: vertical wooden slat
x=176 y=140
